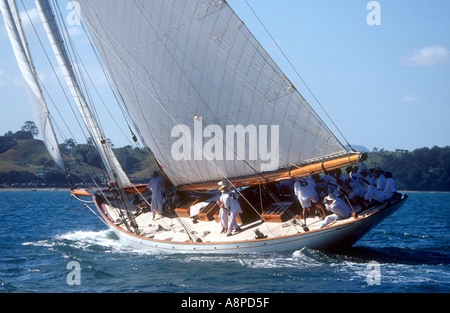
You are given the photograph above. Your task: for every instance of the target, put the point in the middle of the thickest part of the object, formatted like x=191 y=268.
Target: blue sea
x=43 y=231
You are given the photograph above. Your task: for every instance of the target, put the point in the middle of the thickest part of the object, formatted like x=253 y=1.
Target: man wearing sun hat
x=229 y=208
x=224 y=203
x=339 y=208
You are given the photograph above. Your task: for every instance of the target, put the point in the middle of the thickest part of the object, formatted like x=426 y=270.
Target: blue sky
x=385 y=86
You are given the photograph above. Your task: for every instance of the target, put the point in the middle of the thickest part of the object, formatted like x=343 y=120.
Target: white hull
x=335 y=237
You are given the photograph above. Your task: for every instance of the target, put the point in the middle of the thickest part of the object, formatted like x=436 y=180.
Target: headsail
x=201 y=89
x=34 y=91
x=110 y=161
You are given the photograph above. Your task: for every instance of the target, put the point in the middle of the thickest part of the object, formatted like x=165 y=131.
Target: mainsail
x=110 y=161
x=34 y=91
x=207 y=98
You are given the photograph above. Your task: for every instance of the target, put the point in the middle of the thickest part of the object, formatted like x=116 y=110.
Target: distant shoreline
x=34 y=189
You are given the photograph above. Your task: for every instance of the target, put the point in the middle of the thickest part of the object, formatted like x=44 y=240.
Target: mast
x=34 y=91
x=109 y=159
x=115 y=171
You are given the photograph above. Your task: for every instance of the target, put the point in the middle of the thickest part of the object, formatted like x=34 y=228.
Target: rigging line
x=121 y=106
x=122 y=61
x=262 y=209
x=80 y=61
x=76 y=62
x=298 y=74
x=159 y=101
x=190 y=231
x=51 y=65
x=115 y=92
x=117 y=207
x=148 y=155
x=251 y=205
x=56 y=76
x=70 y=47
x=90 y=209
x=54 y=121
x=157 y=97
x=89 y=118
x=69 y=56
x=107 y=77
x=145 y=13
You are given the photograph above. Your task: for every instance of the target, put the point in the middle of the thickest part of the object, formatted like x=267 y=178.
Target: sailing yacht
x=211 y=106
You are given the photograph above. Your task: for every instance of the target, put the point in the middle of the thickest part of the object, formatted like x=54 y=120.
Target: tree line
x=424 y=169
x=85 y=161
x=9 y=139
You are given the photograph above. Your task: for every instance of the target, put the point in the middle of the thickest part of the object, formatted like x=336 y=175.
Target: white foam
x=82 y=240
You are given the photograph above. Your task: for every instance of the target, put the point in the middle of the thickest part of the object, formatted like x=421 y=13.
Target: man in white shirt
x=156 y=185
x=306 y=194
x=391 y=188
x=224 y=203
x=229 y=208
x=380 y=180
x=373 y=194
x=339 y=208
x=235 y=210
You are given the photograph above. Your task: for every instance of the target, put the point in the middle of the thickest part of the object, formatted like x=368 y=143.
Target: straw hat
x=223 y=185
x=330 y=197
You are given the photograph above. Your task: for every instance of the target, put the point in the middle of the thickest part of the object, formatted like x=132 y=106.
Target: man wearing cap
x=339 y=208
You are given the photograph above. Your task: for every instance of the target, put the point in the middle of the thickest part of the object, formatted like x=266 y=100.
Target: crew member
x=156 y=185
x=306 y=194
x=224 y=203
x=339 y=208
x=235 y=210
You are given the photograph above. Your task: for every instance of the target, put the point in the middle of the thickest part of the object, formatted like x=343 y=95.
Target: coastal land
x=26 y=164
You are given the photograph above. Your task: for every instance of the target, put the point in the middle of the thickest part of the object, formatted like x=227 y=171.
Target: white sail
x=208 y=100
x=110 y=161
x=34 y=91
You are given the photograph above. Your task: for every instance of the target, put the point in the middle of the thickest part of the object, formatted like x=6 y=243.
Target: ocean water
x=42 y=232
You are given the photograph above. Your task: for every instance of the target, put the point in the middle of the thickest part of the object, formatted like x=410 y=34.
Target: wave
x=104 y=240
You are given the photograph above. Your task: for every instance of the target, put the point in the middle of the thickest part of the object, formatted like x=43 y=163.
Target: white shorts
x=306 y=201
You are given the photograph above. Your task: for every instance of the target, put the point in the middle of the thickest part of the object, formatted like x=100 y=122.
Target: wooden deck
x=171 y=227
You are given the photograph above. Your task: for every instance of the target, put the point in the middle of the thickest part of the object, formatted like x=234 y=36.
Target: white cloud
x=410 y=99
x=74 y=31
x=31 y=21
x=428 y=56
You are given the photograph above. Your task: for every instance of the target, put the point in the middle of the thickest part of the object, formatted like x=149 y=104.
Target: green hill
x=27 y=155
x=26 y=161
x=423 y=169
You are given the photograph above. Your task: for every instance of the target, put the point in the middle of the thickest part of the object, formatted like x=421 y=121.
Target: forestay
x=109 y=159
x=189 y=71
x=34 y=91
